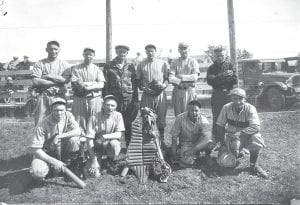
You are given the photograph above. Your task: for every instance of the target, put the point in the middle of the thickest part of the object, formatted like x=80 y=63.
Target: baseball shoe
x=257 y=170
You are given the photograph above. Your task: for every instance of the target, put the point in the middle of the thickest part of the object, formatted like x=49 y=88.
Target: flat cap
x=15 y=57
x=150 y=46
x=122 y=46
x=58 y=100
x=112 y=97
x=25 y=57
x=89 y=49
x=183 y=45
x=239 y=92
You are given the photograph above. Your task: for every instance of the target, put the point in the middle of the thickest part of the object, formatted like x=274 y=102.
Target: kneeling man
x=104 y=132
x=192 y=131
x=55 y=141
x=238 y=126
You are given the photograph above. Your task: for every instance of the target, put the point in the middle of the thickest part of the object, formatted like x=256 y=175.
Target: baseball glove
x=155 y=86
x=79 y=89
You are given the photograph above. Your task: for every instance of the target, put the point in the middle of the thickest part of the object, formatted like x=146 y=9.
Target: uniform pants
x=218 y=99
x=181 y=97
x=84 y=107
x=39 y=168
x=112 y=148
x=159 y=105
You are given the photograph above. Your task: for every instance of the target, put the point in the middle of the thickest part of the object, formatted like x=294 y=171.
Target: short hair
x=150 y=46
x=195 y=103
x=53 y=43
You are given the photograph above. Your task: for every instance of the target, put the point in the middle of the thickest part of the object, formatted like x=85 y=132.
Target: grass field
x=200 y=184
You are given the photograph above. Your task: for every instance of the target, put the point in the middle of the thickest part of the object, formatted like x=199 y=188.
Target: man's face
x=219 y=56
x=88 y=56
x=110 y=106
x=121 y=53
x=238 y=101
x=193 y=112
x=184 y=52
x=58 y=111
x=53 y=51
x=150 y=52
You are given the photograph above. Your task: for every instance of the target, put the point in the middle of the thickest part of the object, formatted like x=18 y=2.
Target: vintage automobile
x=273 y=83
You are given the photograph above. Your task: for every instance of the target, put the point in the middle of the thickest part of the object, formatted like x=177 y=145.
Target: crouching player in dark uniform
x=55 y=141
x=192 y=131
x=120 y=82
x=238 y=126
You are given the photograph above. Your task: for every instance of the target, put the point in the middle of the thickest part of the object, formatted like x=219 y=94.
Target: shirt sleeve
x=38 y=136
x=119 y=123
x=176 y=128
x=166 y=71
x=139 y=72
x=37 y=70
x=72 y=123
x=222 y=119
x=254 y=124
x=195 y=67
x=100 y=76
x=75 y=77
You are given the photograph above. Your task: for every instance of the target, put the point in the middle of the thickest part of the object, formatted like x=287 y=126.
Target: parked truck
x=273 y=83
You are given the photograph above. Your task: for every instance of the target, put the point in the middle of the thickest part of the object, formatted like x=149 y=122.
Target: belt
x=221 y=89
x=184 y=87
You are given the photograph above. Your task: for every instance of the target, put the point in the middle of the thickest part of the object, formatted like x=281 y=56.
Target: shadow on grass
x=20 y=181
x=213 y=170
x=17 y=182
x=15 y=163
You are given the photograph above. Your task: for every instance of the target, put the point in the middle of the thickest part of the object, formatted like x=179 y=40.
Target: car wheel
x=275 y=99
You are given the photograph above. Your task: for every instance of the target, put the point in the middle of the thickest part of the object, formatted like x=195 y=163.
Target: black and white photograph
x=149 y=102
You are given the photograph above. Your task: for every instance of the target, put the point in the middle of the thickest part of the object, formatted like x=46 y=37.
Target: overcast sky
x=267 y=28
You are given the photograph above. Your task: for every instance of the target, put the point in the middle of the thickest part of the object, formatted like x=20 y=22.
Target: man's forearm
x=73 y=133
x=41 y=154
x=39 y=82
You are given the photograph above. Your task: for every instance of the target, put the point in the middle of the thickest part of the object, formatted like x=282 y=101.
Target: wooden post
x=108 y=30
x=231 y=25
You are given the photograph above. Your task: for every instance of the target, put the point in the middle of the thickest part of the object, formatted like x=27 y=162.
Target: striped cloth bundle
x=142 y=149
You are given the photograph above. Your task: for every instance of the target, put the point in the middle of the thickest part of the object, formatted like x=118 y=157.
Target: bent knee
x=39 y=169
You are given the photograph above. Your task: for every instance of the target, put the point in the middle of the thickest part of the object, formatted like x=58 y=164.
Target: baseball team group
x=103 y=120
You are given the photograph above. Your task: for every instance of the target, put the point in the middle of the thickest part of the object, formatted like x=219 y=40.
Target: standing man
x=184 y=73
x=152 y=79
x=49 y=77
x=25 y=65
x=222 y=78
x=87 y=83
x=238 y=126
x=12 y=65
x=104 y=132
x=120 y=81
x=55 y=141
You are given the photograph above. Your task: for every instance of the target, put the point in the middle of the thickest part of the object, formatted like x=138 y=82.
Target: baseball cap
x=239 y=92
x=122 y=46
x=58 y=100
x=183 y=45
x=89 y=49
x=150 y=46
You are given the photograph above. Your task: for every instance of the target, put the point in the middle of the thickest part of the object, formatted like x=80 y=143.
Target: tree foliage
x=241 y=53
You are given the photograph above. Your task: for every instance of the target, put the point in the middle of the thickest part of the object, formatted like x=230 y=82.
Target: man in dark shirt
x=221 y=76
x=25 y=65
x=120 y=81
